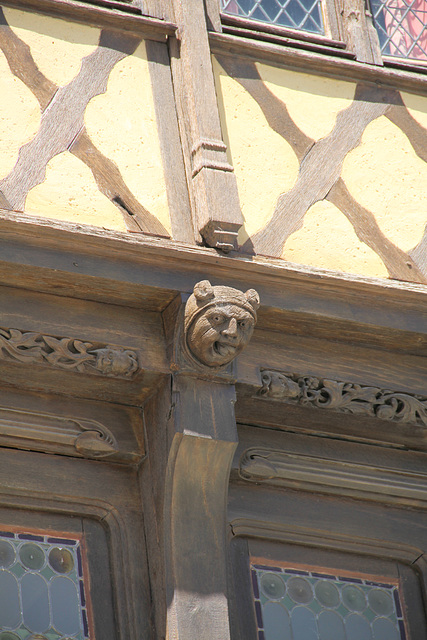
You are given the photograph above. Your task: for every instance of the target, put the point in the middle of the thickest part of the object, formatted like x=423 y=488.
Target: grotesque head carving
x=219 y=322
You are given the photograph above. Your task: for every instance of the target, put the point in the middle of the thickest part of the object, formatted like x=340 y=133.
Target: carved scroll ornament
x=68 y=354
x=218 y=323
x=45 y=432
x=344 y=396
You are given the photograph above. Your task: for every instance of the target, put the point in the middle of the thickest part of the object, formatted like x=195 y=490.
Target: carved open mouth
x=224 y=349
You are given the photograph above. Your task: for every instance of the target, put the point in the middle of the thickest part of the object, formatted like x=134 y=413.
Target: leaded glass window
x=42 y=591
x=304 y=15
x=401 y=27
x=296 y=604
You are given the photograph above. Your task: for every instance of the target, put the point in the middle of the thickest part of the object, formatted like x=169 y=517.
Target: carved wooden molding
x=69 y=354
x=218 y=324
x=45 y=432
x=345 y=397
x=332 y=476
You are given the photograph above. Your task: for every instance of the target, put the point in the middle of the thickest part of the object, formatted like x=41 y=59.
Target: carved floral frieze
x=69 y=354
x=346 y=397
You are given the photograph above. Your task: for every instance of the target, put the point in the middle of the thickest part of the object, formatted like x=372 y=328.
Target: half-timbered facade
x=213 y=398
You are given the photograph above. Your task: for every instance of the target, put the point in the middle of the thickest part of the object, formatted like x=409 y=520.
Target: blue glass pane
x=35 y=602
x=331 y=626
x=304 y=15
x=276 y=622
x=10 y=610
x=357 y=627
x=385 y=630
x=304 y=625
x=65 y=606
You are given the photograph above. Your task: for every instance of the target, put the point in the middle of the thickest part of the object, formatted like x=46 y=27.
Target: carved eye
x=242 y=323
x=217 y=319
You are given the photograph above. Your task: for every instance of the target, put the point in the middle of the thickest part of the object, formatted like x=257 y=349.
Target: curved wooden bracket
x=195 y=510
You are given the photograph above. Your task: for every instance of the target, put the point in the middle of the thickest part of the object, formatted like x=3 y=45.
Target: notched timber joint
x=209 y=154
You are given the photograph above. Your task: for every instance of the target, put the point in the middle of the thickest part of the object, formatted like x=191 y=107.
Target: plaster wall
x=273 y=119
x=77 y=112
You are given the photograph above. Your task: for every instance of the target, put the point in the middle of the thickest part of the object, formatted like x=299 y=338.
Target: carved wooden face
x=218 y=334
x=116 y=362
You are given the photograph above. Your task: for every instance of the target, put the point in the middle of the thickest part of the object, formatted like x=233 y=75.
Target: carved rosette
x=345 y=397
x=69 y=354
x=218 y=324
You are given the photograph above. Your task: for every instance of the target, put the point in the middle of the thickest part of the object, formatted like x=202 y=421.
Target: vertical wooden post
x=210 y=175
x=195 y=510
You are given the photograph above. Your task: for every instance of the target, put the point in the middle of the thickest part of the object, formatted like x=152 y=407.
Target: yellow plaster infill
x=313 y=102
x=70 y=193
x=19 y=117
x=328 y=240
x=122 y=125
x=264 y=163
x=57 y=46
x=417 y=107
x=386 y=176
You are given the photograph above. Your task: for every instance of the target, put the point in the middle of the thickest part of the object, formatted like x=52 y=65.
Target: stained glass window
x=401 y=27
x=42 y=592
x=304 y=15
x=294 y=604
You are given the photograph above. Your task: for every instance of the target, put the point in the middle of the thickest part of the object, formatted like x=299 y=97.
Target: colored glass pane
x=42 y=588
x=304 y=15
x=308 y=605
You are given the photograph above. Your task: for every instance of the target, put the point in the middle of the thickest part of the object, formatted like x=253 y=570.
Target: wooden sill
x=104 y=14
x=325 y=63
x=267 y=30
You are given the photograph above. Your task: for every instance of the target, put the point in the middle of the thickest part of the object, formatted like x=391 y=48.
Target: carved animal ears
x=203 y=291
x=253 y=298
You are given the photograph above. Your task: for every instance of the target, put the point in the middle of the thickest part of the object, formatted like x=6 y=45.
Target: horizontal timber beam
x=136 y=270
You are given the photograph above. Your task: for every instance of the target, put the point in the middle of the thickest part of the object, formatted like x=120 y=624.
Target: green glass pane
x=32 y=556
x=327 y=593
x=17 y=569
x=299 y=589
x=47 y=573
x=7 y=554
x=8 y=635
x=354 y=598
x=273 y=586
x=61 y=560
x=380 y=601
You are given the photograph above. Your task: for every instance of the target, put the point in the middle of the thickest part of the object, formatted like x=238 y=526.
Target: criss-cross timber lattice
x=304 y=15
x=402 y=27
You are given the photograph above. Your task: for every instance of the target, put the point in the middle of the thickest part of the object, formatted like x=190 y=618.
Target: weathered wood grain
x=399 y=115
x=320 y=169
x=63 y=120
x=275 y=111
x=106 y=173
x=409 y=79
x=110 y=182
x=108 y=15
x=22 y=64
x=216 y=204
x=195 y=510
x=170 y=144
x=357 y=27
x=399 y=264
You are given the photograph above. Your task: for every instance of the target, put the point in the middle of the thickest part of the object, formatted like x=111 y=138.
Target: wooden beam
x=209 y=172
x=128 y=19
